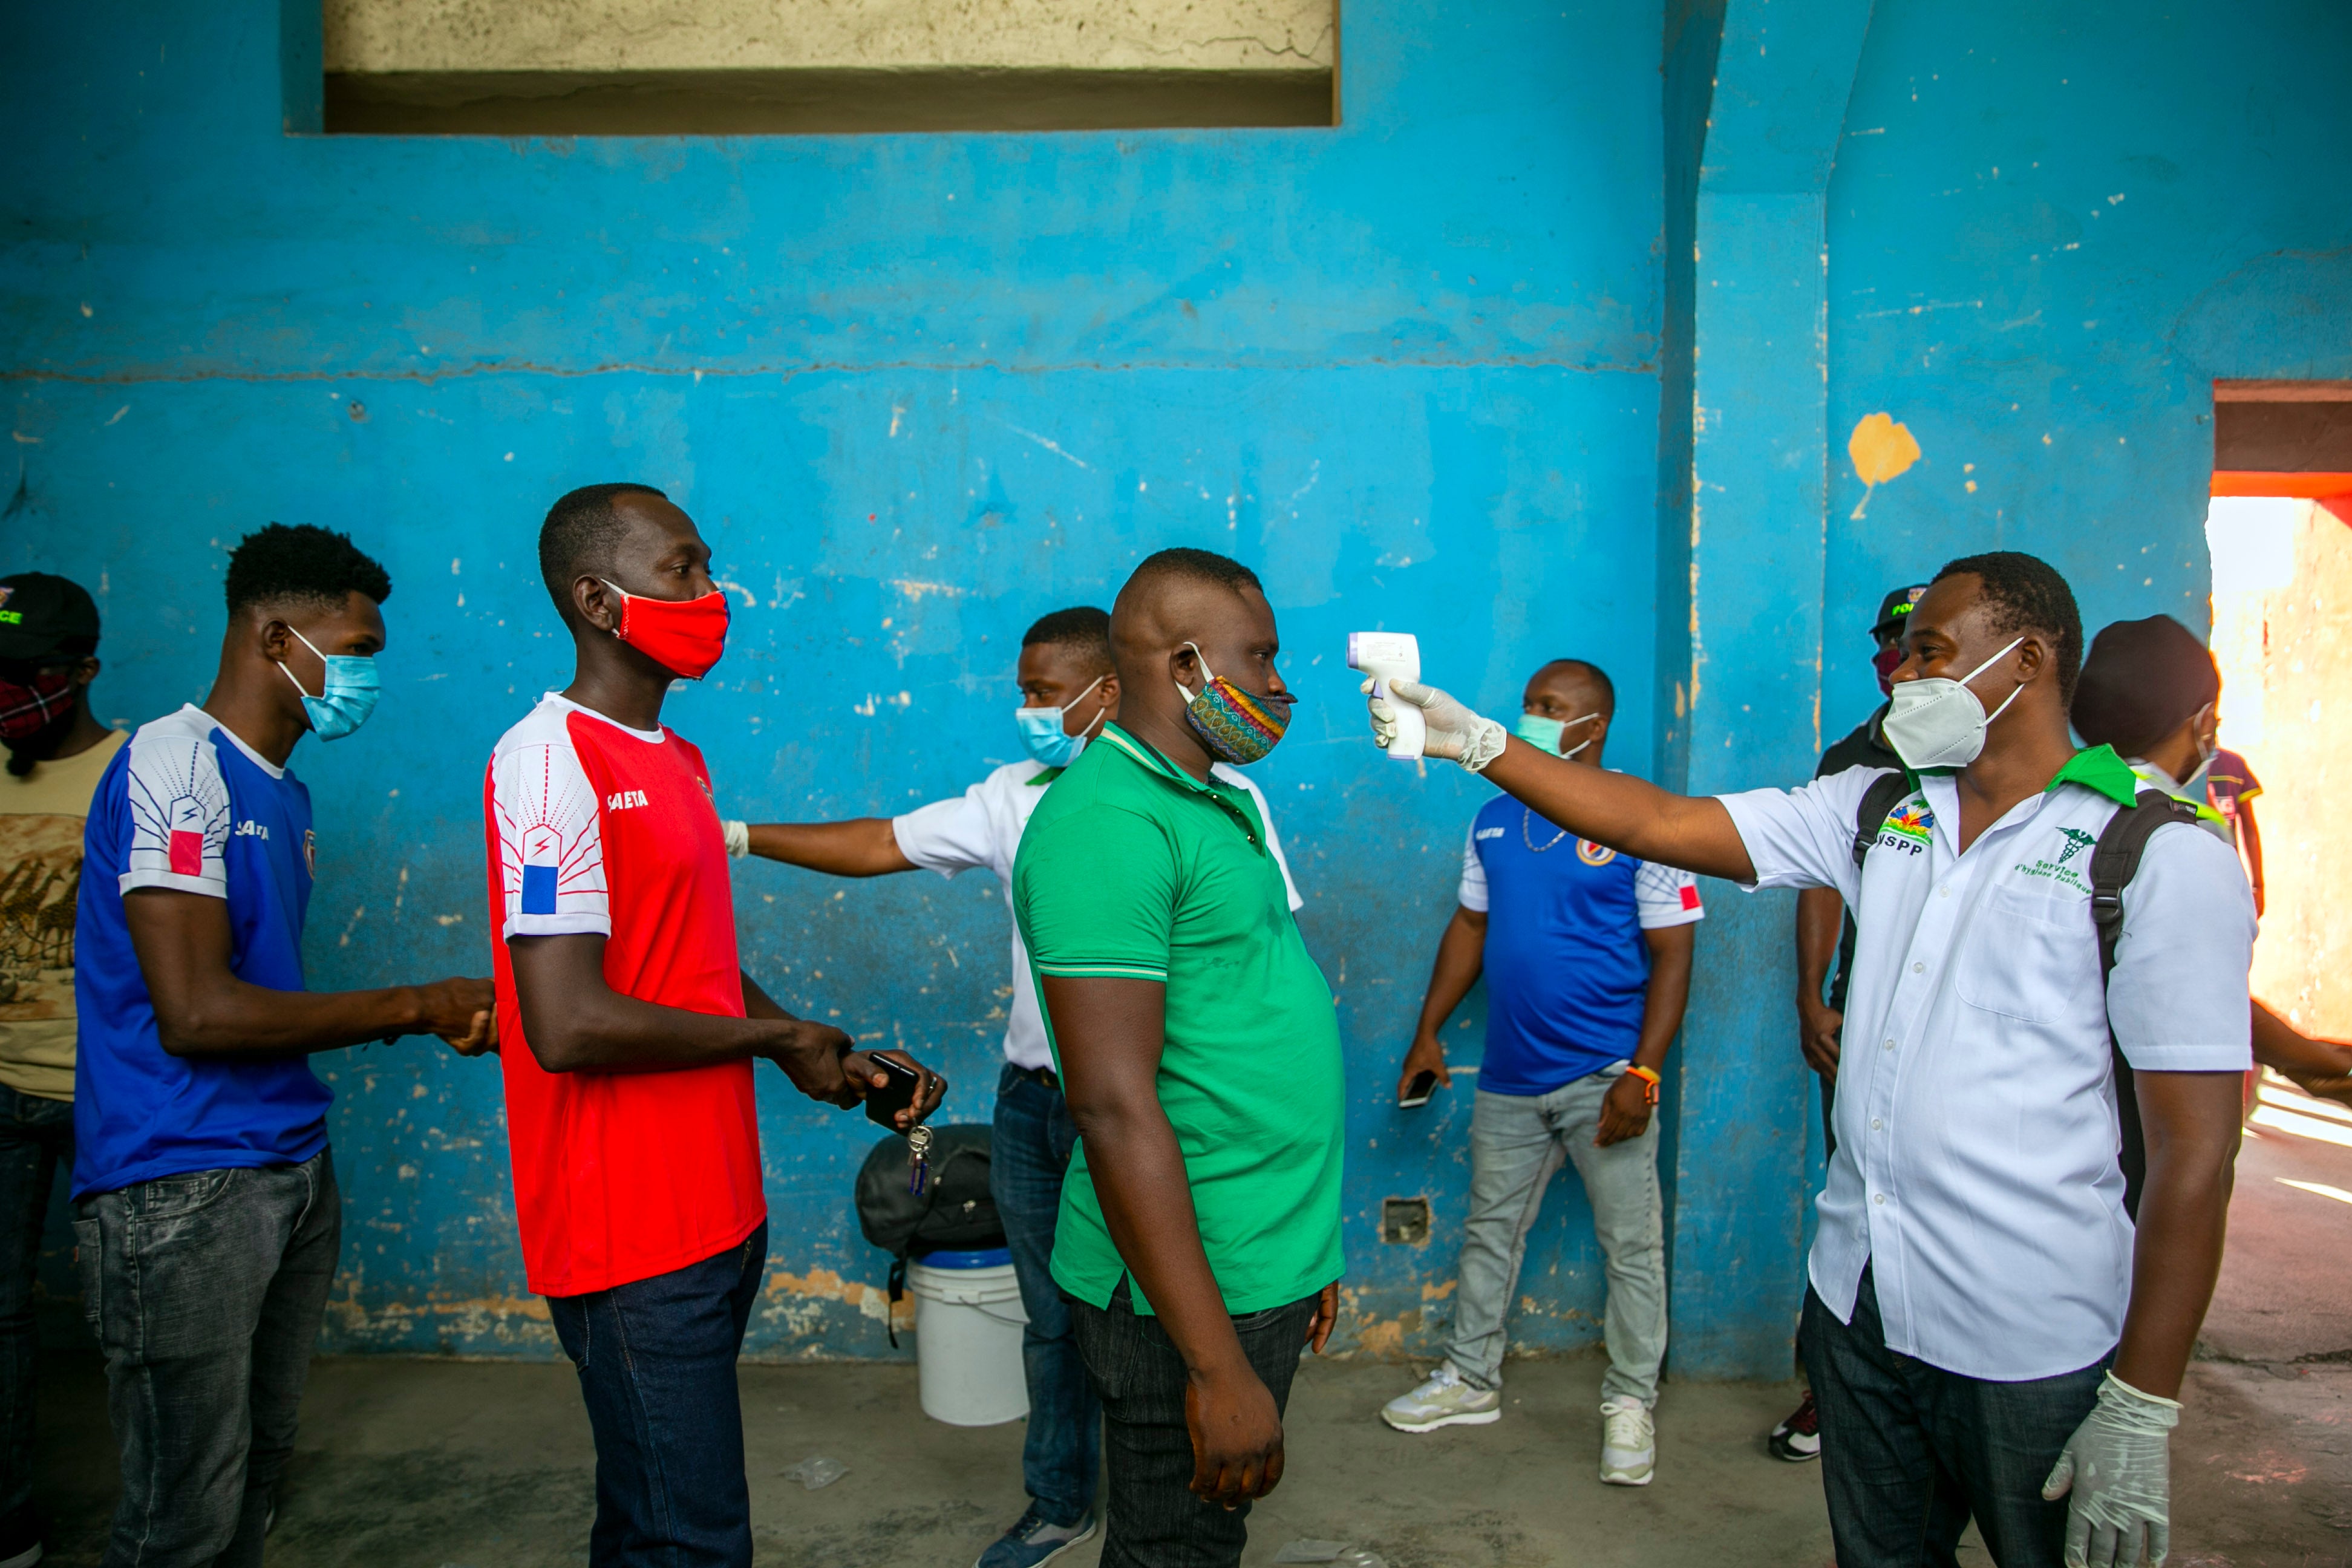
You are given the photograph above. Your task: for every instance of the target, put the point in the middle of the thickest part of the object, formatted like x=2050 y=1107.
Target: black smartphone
x=1417 y=1092
x=883 y=1102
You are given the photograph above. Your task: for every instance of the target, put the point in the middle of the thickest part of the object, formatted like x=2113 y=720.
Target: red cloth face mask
x=1886 y=660
x=25 y=710
x=683 y=635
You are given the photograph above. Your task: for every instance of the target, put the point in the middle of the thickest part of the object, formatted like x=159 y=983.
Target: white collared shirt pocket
x=2033 y=957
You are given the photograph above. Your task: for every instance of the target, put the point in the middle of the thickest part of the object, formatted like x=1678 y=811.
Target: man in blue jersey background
x=206 y=1219
x=1587 y=956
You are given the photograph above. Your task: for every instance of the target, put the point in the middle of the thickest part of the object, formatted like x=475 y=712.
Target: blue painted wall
x=920 y=389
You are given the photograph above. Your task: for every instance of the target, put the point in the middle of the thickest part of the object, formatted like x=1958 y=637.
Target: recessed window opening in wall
x=2280 y=529
x=738 y=68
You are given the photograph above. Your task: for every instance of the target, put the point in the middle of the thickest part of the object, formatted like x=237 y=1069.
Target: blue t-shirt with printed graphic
x=187 y=805
x=1566 y=968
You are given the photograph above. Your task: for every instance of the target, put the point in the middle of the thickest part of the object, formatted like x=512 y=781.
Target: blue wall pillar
x=1755 y=515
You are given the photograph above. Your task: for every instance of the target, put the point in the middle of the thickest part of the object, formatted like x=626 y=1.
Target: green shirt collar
x=2095 y=768
x=1148 y=755
x=2098 y=768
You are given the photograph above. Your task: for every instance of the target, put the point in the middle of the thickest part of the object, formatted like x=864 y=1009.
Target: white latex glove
x=1454 y=732
x=2118 y=1466
x=738 y=838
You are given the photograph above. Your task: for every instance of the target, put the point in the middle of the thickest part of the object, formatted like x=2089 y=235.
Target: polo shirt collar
x=1148 y=755
x=1150 y=758
x=2095 y=768
x=2099 y=769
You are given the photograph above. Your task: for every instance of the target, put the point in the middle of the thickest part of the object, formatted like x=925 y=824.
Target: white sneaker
x=1629 y=1443
x=1443 y=1401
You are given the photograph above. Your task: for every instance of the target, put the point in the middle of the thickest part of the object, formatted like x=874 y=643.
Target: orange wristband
x=1650 y=1080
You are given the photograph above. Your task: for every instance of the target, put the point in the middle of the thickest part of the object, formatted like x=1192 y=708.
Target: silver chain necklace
x=1527 y=816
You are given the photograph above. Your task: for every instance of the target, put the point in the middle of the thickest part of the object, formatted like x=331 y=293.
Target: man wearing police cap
x=57 y=752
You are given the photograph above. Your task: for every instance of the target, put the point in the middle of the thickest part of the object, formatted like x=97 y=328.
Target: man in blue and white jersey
x=207 y=1220
x=1587 y=955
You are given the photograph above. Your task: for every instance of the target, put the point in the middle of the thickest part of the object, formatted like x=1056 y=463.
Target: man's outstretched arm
x=863 y=847
x=1109 y=1033
x=1626 y=814
x=203 y=1009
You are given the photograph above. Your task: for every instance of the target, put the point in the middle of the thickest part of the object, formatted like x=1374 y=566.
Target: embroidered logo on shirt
x=621 y=800
x=1490 y=833
x=1909 y=828
x=2076 y=842
x=1592 y=854
x=311 y=852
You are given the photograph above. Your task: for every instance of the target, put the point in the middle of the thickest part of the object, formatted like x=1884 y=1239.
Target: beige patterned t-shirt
x=41 y=817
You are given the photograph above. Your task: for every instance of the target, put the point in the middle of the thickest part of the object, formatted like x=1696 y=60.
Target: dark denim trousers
x=1029 y=1154
x=36 y=1139
x=1154 y=1520
x=1910 y=1452
x=657 y=1364
x=207 y=1291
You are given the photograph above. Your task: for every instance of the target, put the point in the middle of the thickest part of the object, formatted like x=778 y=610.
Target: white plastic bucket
x=968 y=1337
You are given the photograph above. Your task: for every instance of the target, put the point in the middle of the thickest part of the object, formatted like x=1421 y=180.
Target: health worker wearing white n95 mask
x=1069 y=692
x=1987 y=1335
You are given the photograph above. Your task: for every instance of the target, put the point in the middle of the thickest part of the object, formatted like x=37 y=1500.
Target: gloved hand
x=1454 y=732
x=2118 y=1466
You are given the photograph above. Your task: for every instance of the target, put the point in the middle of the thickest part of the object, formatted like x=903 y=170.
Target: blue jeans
x=36 y=1137
x=1910 y=1452
x=206 y=1289
x=1029 y=1152
x=656 y=1364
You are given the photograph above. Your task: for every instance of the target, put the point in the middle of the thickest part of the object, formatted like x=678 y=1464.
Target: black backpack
x=954 y=1213
x=2114 y=863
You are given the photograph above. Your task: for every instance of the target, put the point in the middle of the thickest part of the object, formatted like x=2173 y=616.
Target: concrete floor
x=423 y=1464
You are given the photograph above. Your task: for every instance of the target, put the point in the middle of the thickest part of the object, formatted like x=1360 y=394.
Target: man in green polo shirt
x=1199 y=1238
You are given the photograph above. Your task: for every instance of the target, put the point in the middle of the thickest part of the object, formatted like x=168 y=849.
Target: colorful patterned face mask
x=1235 y=725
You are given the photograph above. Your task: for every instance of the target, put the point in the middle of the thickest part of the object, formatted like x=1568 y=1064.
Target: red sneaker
x=1799 y=1438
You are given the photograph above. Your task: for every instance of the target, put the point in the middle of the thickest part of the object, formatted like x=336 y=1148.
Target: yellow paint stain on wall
x=824 y=1285
x=1882 y=449
x=1438 y=1292
x=1383 y=1340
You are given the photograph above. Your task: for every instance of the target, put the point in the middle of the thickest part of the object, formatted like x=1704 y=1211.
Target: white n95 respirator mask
x=1937 y=722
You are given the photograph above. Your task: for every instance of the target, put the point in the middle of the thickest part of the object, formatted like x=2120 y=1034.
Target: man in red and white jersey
x=630 y=1110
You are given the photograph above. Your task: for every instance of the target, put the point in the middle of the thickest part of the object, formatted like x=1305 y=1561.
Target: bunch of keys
x=918 y=1159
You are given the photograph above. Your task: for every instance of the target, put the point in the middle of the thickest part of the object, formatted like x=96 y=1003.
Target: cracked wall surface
x=384 y=36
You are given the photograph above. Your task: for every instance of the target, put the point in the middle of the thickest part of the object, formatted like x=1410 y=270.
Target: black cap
x=2141 y=681
x=39 y=612
x=1893 y=608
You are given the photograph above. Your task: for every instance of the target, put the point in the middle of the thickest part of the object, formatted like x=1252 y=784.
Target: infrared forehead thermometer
x=1386 y=656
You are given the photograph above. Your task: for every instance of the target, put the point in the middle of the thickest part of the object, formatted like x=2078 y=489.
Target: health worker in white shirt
x=1987 y=1333
x=1070 y=690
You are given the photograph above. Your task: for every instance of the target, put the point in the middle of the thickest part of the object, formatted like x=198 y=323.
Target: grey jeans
x=1516 y=1142
x=207 y=1290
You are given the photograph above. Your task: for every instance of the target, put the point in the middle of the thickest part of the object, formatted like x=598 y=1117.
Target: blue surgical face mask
x=1046 y=738
x=1539 y=731
x=348 y=697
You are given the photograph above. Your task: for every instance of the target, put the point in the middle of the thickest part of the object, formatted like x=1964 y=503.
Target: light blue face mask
x=350 y=695
x=1539 y=731
x=1043 y=736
